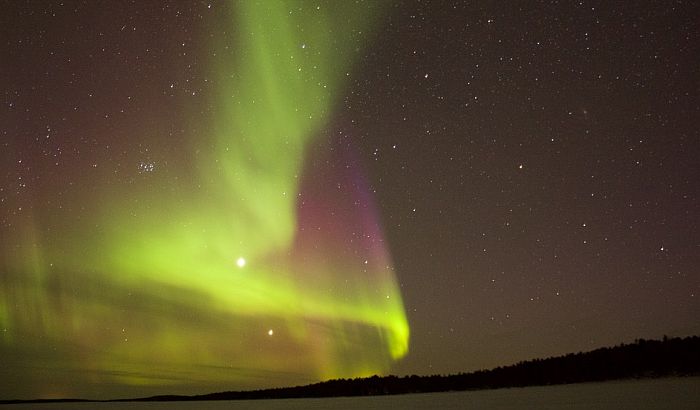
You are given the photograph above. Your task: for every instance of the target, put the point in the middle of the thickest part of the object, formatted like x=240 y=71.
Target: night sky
x=202 y=196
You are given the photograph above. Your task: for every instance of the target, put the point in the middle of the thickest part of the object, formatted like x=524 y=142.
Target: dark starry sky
x=535 y=163
x=543 y=193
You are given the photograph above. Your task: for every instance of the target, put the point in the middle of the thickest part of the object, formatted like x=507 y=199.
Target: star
x=240 y=262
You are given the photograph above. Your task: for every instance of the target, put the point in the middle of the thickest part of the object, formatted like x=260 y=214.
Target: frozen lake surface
x=668 y=393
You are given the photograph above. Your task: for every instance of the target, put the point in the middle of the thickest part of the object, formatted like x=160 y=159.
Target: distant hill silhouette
x=641 y=359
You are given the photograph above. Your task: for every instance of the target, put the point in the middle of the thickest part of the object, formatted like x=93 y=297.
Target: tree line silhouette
x=641 y=359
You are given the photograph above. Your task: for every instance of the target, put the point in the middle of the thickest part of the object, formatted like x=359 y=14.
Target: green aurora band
x=214 y=280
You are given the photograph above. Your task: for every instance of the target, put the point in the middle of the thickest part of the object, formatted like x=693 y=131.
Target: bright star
x=240 y=262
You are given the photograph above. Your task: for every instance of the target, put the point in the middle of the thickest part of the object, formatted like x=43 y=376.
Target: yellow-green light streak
x=153 y=287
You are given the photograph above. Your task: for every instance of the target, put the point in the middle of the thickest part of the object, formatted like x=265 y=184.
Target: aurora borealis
x=207 y=196
x=239 y=260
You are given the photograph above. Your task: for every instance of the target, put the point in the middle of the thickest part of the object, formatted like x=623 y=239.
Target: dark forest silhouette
x=641 y=359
